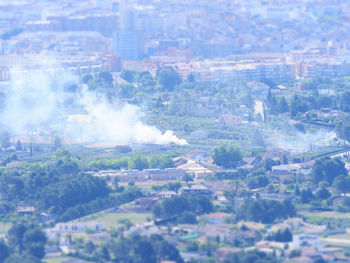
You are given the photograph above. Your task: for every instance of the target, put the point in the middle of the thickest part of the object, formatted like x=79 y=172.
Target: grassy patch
x=4 y=227
x=331 y=214
x=56 y=260
x=111 y=219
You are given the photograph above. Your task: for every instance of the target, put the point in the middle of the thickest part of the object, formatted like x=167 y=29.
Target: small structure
x=78 y=227
x=146 y=203
x=195 y=189
x=25 y=210
x=166 y=194
x=277 y=153
x=217 y=218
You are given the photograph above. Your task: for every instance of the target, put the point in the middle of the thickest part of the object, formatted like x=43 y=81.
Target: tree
x=345 y=101
x=274 y=107
x=142 y=249
x=265 y=211
x=106 y=78
x=281 y=236
x=269 y=97
x=18 y=146
x=57 y=143
x=187 y=218
x=327 y=169
x=146 y=80
x=86 y=78
x=343 y=129
x=306 y=196
x=283 y=105
x=257 y=139
x=177 y=205
x=22 y=258
x=62 y=155
x=298 y=104
x=127 y=75
x=34 y=235
x=115 y=183
x=15 y=236
x=4 y=251
x=35 y=249
x=28 y=239
x=322 y=193
x=90 y=247
x=251 y=256
x=342 y=184
x=169 y=78
x=161 y=162
x=139 y=163
x=5 y=140
x=190 y=77
x=227 y=157
x=127 y=90
x=257 y=181
x=187 y=178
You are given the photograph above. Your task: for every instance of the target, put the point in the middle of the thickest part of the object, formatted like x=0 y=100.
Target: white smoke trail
x=299 y=142
x=118 y=123
x=35 y=99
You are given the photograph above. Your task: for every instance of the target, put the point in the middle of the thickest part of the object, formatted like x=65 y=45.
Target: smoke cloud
x=298 y=142
x=38 y=102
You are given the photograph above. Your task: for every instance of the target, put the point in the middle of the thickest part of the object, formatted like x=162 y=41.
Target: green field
x=56 y=260
x=342 y=240
x=4 y=227
x=111 y=219
x=331 y=214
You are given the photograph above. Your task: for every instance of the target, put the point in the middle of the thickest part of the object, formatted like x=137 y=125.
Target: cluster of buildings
x=144 y=175
x=261 y=40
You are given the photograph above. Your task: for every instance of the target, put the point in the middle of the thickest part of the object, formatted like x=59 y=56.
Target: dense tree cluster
x=251 y=256
x=60 y=188
x=281 y=236
x=342 y=184
x=169 y=78
x=25 y=243
x=227 y=157
x=178 y=205
x=343 y=129
x=327 y=169
x=265 y=211
x=172 y=186
x=239 y=174
x=257 y=179
x=99 y=204
x=141 y=249
x=103 y=79
x=135 y=162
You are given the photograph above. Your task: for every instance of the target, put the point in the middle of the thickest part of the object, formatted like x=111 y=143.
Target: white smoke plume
x=119 y=124
x=298 y=142
x=35 y=100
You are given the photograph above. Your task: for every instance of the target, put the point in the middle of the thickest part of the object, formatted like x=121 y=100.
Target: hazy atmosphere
x=150 y=131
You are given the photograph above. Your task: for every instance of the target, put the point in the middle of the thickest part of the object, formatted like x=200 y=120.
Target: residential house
x=77 y=227
x=277 y=153
x=25 y=210
x=306 y=167
x=284 y=171
x=196 y=168
x=164 y=174
x=217 y=217
x=146 y=203
x=224 y=252
x=166 y=194
x=195 y=189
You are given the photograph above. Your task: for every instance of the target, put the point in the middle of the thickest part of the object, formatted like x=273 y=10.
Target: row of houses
x=144 y=175
x=147 y=203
